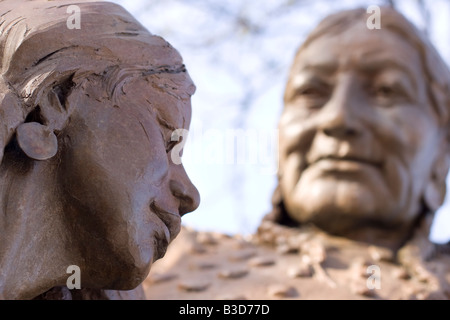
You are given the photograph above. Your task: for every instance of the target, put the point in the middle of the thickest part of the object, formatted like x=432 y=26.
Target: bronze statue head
x=87 y=176
x=364 y=134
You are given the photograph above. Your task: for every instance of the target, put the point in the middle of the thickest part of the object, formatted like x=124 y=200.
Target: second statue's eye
x=385 y=91
x=389 y=94
x=312 y=96
x=308 y=92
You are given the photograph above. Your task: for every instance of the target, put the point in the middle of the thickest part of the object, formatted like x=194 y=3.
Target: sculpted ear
x=435 y=190
x=37 y=138
x=37 y=141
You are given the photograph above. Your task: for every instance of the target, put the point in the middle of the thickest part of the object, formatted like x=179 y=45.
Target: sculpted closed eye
x=167 y=130
x=172 y=143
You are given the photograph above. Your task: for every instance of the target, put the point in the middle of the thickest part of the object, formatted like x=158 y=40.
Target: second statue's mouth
x=354 y=159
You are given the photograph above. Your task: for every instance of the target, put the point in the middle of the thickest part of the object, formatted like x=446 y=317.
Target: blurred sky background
x=238 y=53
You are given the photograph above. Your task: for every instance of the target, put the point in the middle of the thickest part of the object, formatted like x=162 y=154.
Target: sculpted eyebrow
x=324 y=67
x=165 y=69
x=374 y=66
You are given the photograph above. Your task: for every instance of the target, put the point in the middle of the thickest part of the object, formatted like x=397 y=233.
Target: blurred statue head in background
x=364 y=137
x=87 y=121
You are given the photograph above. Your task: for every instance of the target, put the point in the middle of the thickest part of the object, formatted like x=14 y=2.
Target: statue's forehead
x=360 y=48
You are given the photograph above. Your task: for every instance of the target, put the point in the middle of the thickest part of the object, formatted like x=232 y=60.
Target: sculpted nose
x=339 y=126
x=340 y=115
x=182 y=188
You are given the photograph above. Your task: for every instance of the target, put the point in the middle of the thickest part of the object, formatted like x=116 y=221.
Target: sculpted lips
x=345 y=162
x=349 y=158
x=171 y=220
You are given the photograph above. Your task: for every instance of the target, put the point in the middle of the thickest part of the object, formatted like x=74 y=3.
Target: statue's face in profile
x=358 y=132
x=126 y=194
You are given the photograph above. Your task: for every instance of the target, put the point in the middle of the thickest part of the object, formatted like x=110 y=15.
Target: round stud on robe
x=37 y=141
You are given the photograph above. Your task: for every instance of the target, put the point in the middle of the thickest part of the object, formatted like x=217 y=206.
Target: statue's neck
x=392 y=239
x=33 y=244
